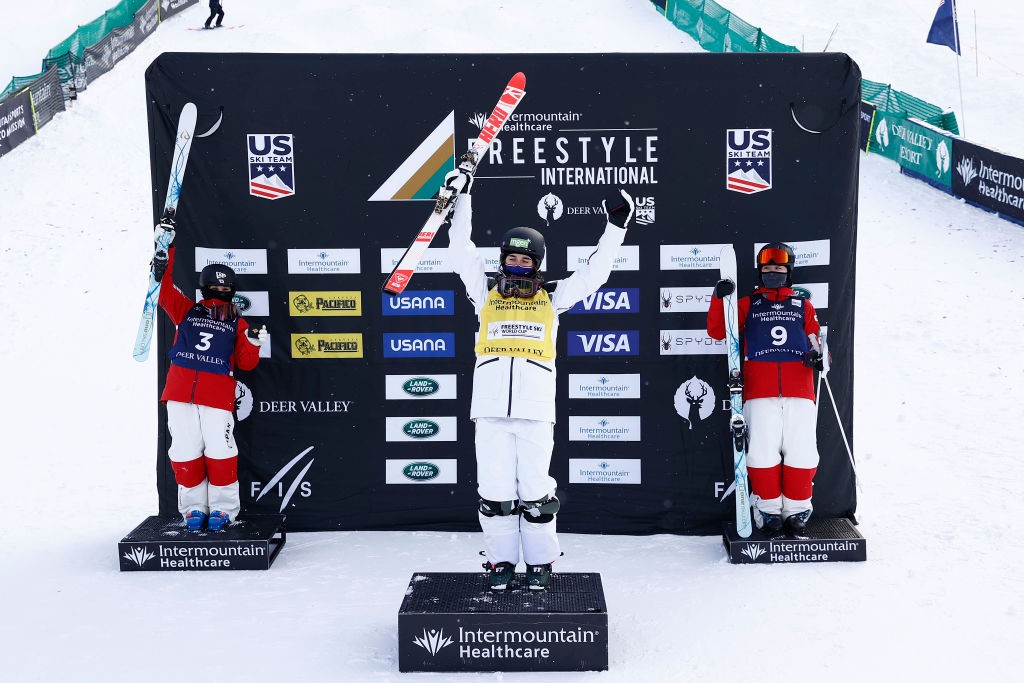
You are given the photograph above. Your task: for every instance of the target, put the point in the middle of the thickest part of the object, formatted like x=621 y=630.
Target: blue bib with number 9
x=775 y=330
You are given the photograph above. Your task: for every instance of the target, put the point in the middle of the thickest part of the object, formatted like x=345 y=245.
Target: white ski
x=179 y=158
x=737 y=424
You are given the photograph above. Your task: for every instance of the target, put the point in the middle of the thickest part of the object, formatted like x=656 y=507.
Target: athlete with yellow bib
x=513 y=402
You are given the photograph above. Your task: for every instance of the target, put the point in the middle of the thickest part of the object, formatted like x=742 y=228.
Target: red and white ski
x=446 y=198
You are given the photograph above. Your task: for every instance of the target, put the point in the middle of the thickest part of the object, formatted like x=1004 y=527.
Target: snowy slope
x=939 y=310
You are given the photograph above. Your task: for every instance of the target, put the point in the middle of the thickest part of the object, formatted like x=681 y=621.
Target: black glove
x=618 y=207
x=814 y=359
x=724 y=288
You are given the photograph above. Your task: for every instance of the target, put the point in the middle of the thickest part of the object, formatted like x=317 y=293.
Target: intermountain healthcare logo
x=433 y=641
x=808 y=252
x=753 y=551
x=748 y=160
x=323 y=261
x=607 y=471
x=271 y=165
x=242 y=261
x=276 y=483
x=422 y=173
x=139 y=556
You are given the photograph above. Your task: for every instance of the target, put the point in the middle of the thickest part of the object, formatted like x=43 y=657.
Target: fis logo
x=748 y=160
x=271 y=165
x=428 y=302
x=610 y=301
x=604 y=343
x=423 y=345
x=286 y=490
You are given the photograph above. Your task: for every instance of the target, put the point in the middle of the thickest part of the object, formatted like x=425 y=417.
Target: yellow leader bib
x=516 y=327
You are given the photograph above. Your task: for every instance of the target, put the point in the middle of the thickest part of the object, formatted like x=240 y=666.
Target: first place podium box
x=164 y=544
x=828 y=540
x=454 y=622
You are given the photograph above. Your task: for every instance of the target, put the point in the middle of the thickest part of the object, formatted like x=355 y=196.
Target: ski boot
x=538 y=576
x=218 y=520
x=796 y=524
x=195 y=520
x=500 y=576
x=768 y=523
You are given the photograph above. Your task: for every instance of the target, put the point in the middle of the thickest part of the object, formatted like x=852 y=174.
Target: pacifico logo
x=315 y=345
x=346 y=303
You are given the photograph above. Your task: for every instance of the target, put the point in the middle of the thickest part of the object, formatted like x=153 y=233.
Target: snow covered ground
x=939 y=311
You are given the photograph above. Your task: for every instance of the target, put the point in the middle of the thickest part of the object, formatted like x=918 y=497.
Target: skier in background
x=781 y=350
x=513 y=402
x=210 y=342
x=215 y=11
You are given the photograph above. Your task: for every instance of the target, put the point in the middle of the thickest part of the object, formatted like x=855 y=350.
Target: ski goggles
x=779 y=257
x=519 y=287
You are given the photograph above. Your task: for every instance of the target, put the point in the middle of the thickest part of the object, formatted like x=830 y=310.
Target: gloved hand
x=465 y=169
x=258 y=337
x=164 y=227
x=618 y=207
x=814 y=359
x=724 y=288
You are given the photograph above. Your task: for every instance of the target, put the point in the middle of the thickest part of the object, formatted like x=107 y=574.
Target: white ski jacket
x=507 y=386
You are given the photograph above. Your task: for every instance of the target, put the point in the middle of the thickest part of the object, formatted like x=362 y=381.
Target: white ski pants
x=783 y=445
x=512 y=461
x=197 y=432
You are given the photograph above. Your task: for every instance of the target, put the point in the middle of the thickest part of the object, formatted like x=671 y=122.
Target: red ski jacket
x=764 y=379
x=197 y=386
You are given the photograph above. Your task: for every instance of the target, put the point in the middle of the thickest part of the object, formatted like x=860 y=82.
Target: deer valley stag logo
x=694 y=400
x=243 y=401
x=550 y=208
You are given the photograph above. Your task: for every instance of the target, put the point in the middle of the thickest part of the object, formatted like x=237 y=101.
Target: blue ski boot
x=218 y=520
x=195 y=519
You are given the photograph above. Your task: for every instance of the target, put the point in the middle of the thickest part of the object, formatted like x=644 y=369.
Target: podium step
x=454 y=622
x=164 y=544
x=829 y=540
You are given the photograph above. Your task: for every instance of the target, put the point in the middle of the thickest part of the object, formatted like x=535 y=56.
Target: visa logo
x=427 y=302
x=604 y=343
x=423 y=345
x=609 y=301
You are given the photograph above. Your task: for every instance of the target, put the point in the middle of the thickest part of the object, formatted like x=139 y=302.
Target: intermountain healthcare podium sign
x=321 y=173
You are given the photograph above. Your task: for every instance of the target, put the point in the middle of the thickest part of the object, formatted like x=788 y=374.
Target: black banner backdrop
x=1000 y=179
x=16 y=123
x=321 y=174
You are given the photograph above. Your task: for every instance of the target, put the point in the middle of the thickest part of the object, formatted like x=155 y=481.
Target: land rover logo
x=803 y=291
x=420 y=386
x=421 y=471
x=421 y=429
x=242 y=303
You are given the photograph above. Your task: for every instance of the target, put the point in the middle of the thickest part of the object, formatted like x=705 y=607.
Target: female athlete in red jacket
x=780 y=354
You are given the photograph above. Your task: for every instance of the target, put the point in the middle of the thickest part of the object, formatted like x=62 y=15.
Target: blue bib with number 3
x=204 y=343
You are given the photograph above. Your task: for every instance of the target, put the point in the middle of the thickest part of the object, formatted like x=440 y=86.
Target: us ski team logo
x=271 y=165
x=748 y=160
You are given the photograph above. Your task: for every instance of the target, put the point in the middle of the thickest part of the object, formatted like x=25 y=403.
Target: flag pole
x=959 y=83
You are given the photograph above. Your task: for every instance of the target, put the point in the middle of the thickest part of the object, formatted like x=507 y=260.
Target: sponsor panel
x=809 y=253
x=419 y=345
x=689 y=256
x=604 y=428
x=628 y=257
x=323 y=261
x=398 y=387
x=435 y=260
x=688 y=342
x=815 y=292
x=426 y=302
x=444 y=471
x=249 y=304
x=609 y=471
x=421 y=428
x=685 y=299
x=989 y=179
x=326 y=345
x=242 y=261
x=604 y=343
x=604 y=385
x=610 y=301
x=319 y=303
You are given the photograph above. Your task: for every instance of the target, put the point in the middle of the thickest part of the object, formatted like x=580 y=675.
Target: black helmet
x=523 y=241
x=217 y=274
x=778 y=254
